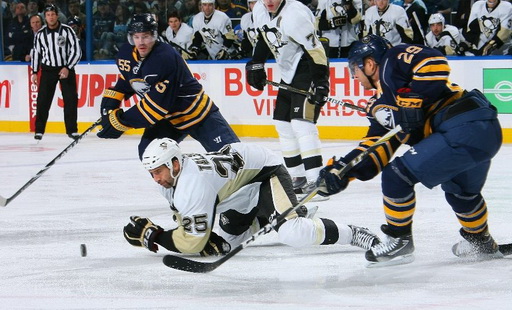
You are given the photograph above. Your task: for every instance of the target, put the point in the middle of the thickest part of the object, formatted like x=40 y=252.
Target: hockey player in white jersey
x=287 y=30
x=249 y=32
x=178 y=34
x=444 y=38
x=489 y=28
x=245 y=186
x=389 y=21
x=338 y=21
x=213 y=31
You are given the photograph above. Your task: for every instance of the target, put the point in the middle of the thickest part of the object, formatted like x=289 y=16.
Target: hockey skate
x=478 y=246
x=394 y=250
x=362 y=237
x=301 y=187
x=307 y=211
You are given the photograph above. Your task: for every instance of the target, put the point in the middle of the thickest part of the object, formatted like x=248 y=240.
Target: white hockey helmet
x=161 y=152
x=207 y=1
x=436 y=18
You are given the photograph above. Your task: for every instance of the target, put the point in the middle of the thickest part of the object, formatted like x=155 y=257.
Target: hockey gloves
x=320 y=93
x=411 y=111
x=338 y=21
x=256 y=75
x=215 y=246
x=222 y=54
x=112 y=125
x=142 y=232
x=191 y=54
x=329 y=182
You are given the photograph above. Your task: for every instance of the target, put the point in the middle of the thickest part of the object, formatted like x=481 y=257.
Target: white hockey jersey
x=214 y=183
x=212 y=31
x=385 y=25
x=288 y=34
x=247 y=25
x=449 y=38
x=183 y=37
x=348 y=33
x=499 y=19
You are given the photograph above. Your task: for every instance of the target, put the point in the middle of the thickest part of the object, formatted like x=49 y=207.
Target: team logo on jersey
x=142 y=86
x=61 y=41
x=381 y=27
x=489 y=25
x=209 y=36
x=338 y=9
x=274 y=39
x=385 y=117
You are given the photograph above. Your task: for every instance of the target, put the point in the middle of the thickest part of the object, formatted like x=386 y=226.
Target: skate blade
x=399 y=260
x=311 y=211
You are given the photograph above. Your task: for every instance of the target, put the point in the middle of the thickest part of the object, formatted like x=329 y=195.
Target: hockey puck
x=83 y=250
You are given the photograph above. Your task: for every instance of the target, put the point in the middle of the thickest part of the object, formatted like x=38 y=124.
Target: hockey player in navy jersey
x=172 y=102
x=453 y=135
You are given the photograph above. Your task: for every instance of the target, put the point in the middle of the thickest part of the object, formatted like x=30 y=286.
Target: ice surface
x=89 y=194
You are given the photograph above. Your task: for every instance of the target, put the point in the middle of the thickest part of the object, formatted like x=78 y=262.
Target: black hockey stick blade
x=505 y=249
x=5 y=201
x=308 y=94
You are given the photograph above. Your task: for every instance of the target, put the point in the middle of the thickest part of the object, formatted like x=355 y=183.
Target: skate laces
x=385 y=247
x=362 y=237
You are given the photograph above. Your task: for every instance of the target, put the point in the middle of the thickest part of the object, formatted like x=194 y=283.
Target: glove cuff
x=114 y=120
x=255 y=66
x=110 y=93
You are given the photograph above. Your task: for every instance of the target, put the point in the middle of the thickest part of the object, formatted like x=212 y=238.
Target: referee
x=56 y=52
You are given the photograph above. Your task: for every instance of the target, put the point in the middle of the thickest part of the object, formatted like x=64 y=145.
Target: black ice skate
x=394 y=250
x=479 y=246
x=362 y=237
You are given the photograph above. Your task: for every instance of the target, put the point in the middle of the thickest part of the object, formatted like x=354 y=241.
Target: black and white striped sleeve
x=73 y=48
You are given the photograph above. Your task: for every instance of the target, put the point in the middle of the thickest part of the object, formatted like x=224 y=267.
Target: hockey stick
x=185 y=264
x=308 y=94
x=5 y=201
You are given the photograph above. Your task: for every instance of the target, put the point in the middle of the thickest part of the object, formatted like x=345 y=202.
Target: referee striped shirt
x=55 y=48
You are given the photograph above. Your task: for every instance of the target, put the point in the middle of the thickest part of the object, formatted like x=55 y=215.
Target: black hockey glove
x=488 y=48
x=329 y=181
x=411 y=111
x=320 y=93
x=112 y=125
x=215 y=246
x=191 y=54
x=256 y=75
x=222 y=54
x=463 y=47
x=142 y=232
x=338 y=21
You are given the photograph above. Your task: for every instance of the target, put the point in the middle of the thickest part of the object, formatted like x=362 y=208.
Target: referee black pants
x=47 y=86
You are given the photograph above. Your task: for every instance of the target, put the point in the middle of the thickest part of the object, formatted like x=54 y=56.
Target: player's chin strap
x=185 y=264
x=5 y=201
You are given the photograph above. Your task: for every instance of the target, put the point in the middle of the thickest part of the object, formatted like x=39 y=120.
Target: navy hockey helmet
x=370 y=45
x=142 y=23
x=51 y=7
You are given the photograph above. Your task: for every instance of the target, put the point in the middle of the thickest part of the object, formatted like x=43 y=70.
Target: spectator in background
x=417 y=13
x=76 y=24
x=122 y=15
x=233 y=11
x=460 y=20
x=36 y=23
x=74 y=10
x=338 y=21
x=19 y=34
x=102 y=23
x=388 y=21
x=189 y=9
x=140 y=8
x=62 y=17
x=162 y=9
x=489 y=28
x=442 y=37
x=33 y=8
x=178 y=34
